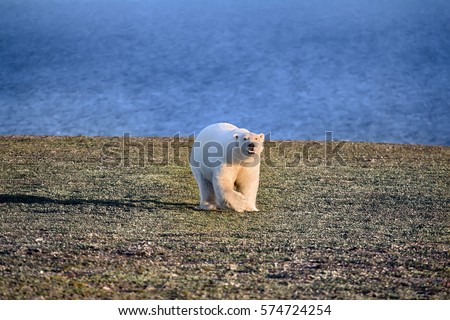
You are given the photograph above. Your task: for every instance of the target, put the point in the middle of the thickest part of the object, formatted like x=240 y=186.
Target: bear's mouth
x=251 y=148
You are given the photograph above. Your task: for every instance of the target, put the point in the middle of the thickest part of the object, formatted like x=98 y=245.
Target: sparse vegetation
x=78 y=224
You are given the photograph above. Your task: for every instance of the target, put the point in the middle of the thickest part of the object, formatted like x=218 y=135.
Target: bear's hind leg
x=207 y=197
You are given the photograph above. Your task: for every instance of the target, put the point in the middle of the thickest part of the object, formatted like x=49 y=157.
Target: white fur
x=226 y=167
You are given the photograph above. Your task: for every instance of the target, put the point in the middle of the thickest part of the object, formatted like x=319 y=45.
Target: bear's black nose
x=251 y=145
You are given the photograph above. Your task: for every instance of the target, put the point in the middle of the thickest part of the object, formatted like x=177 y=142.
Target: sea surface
x=365 y=70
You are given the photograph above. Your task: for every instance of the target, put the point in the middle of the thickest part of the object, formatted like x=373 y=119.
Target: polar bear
x=225 y=161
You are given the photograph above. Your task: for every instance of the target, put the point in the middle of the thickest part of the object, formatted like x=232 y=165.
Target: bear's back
x=218 y=132
x=215 y=130
x=217 y=138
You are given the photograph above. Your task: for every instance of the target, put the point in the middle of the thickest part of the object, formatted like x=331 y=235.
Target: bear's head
x=249 y=143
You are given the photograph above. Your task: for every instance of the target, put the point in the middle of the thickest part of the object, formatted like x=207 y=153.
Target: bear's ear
x=236 y=136
x=261 y=136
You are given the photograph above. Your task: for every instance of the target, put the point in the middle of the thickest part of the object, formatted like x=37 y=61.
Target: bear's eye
x=245 y=138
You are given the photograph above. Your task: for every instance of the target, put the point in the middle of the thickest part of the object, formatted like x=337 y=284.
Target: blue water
x=366 y=70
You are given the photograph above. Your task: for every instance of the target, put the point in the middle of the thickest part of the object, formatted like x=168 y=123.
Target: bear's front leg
x=226 y=196
x=233 y=200
x=249 y=191
x=247 y=183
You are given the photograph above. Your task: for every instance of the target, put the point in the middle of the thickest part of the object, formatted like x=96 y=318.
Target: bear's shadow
x=135 y=203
